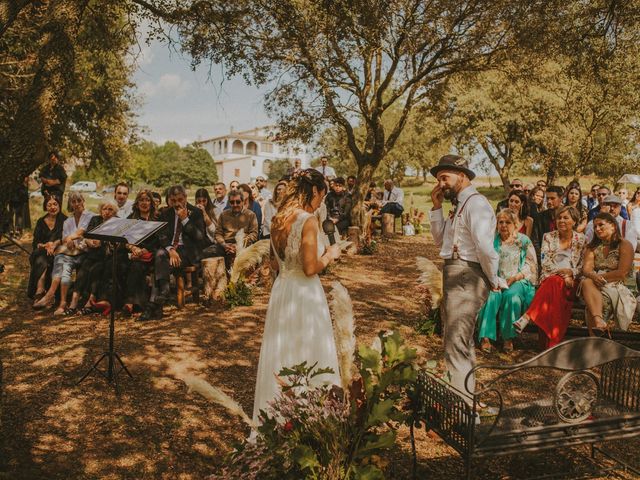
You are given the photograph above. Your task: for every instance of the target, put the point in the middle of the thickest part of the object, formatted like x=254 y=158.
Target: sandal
x=59 y=311
x=85 y=311
x=70 y=311
x=42 y=304
x=486 y=347
x=600 y=329
x=520 y=324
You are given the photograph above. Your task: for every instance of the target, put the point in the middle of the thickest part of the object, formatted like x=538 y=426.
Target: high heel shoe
x=520 y=324
x=102 y=306
x=44 y=303
x=600 y=329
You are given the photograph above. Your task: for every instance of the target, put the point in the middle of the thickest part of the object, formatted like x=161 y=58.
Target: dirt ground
x=154 y=428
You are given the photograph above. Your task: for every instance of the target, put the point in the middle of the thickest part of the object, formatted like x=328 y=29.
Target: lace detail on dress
x=292 y=261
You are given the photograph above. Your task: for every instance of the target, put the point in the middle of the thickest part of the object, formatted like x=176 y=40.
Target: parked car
x=96 y=195
x=109 y=189
x=83 y=186
x=35 y=194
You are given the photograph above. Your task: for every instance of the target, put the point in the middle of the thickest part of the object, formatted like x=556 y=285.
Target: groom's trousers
x=465 y=290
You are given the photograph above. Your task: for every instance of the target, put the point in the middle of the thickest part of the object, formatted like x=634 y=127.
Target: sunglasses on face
x=602 y=194
x=515 y=185
x=235 y=202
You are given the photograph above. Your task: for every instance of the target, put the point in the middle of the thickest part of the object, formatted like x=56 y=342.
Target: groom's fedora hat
x=453 y=162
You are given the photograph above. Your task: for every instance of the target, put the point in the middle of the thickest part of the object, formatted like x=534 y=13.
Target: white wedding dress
x=298 y=324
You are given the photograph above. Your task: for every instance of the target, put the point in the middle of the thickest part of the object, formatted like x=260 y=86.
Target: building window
x=237 y=147
x=236 y=172
x=252 y=148
x=267 y=147
x=253 y=163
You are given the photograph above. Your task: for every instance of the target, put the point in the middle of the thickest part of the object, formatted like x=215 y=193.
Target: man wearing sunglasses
x=591 y=200
x=516 y=186
x=230 y=222
x=603 y=192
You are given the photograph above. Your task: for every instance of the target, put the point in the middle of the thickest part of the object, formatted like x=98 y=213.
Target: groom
x=465 y=238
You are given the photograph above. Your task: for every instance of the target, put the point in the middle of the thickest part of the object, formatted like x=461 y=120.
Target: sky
x=182 y=105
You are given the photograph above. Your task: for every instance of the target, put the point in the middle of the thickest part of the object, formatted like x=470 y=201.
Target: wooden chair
x=191 y=275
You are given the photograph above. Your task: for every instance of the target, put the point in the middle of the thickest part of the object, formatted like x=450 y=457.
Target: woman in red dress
x=562 y=254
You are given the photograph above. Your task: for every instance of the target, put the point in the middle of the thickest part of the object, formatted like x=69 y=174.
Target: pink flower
x=287 y=427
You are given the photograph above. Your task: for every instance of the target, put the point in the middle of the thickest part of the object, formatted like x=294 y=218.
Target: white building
x=248 y=154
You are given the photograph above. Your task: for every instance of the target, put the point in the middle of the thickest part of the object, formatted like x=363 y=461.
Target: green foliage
x=279 y=168
x=369 y=247
x=171 y=164
x=321 y=432
x=238 y=294
x=427 y=324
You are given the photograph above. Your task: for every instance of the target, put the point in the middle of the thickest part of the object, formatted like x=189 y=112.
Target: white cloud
x=169 y=84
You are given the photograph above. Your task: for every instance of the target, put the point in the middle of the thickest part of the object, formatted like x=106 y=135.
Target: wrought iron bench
x=582 y=391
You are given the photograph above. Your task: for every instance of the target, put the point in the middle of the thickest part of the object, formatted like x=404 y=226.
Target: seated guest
x=371 y=199
x=93 y=281
x=220 y=200
x=519 y=268
x=121 y=196
x=264 y=192
x=604 y=191
x=546 y=221
x=607 y=266
x=204 y=203
x=47 y=236
x=271 y=208
x=562 y=254
x=612 y=204
x=536 y=202
x=339 y=205
x=591 y=200
x=68 y=254
x=251 y=204
x=519 y=205
x=573 y=198
x=516 y=186
x=137 y=292
x=157 y=200
x=392 y=199
x=351 y=184
x=181 y=243
x=238 y=217
x=257 y=197
x=234 y=185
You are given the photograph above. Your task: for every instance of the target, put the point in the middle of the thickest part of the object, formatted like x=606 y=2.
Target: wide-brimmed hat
x=612 y=199
x=453 y=162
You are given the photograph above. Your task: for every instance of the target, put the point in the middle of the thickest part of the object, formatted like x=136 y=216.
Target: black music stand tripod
x=116 y=232
x=111 y=374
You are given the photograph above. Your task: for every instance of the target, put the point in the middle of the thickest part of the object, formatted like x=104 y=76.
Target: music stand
x=117 y=231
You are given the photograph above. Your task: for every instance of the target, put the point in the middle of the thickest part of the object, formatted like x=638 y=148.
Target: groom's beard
x=449 y=194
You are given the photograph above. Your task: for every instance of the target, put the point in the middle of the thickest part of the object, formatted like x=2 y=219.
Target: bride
x=298 y=324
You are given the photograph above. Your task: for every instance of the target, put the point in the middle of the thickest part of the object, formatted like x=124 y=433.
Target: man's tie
x=389 y=195
x=176 y=235
x=324 y=173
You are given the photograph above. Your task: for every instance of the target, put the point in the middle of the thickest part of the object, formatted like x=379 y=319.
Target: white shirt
x=268 y=213
x=125 y=210
x=70 y=226
x=326 y=171
x=476 y=227
x=218 y=205
x=395 y=195
x=630 y=231
x=266 y=194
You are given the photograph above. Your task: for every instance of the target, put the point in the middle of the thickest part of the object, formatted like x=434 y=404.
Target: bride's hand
x=333 y=252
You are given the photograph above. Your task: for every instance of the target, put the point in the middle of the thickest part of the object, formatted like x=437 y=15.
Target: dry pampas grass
x=249 y=257
x=431 y=277
x=215 y=395
x=342 y=310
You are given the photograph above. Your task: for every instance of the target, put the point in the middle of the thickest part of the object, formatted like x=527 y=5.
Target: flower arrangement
x=325 y=432
x=238 y=291
x=416 y=218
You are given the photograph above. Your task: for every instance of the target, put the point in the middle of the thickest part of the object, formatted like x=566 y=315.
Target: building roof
x=243 y=135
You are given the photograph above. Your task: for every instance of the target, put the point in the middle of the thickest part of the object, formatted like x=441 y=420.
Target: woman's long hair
x=152 y=208
x=524 y=204
x=297 y=196
x=274 y=198
x=617 y=236
x=243 y=187
x=579 y=206
x=209 y=208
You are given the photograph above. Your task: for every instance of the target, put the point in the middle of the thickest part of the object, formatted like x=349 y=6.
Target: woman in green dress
x=518 y=267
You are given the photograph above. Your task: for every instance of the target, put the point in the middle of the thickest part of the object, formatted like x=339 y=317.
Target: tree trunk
x=358 y=212
x=28 y=135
